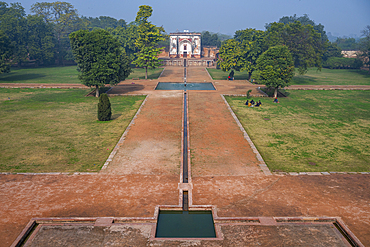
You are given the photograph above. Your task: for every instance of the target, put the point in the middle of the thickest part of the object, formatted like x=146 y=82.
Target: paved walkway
x=145 y=171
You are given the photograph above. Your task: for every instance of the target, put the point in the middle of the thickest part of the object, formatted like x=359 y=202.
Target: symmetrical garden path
x=145 y=171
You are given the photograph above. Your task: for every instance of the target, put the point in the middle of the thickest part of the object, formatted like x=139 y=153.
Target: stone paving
x=225 y=174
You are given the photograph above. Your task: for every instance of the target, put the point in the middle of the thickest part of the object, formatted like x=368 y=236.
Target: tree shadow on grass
x=122 y=89
x=9 y=78
x=303 y=80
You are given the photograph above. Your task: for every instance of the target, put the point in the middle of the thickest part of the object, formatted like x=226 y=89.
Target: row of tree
x=306 y=41
x=102 y=60
x=42 y=38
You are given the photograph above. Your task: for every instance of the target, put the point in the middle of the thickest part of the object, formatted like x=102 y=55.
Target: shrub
x=249 y=94
x=104 y=109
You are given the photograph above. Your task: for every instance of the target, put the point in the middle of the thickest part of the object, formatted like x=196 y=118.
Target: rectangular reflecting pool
x=181 y=86
x=185 y=224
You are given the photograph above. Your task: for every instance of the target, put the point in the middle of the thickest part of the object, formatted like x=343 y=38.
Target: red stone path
x=225 y=172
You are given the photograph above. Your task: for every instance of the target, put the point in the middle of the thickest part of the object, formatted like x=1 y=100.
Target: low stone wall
x=189 y=62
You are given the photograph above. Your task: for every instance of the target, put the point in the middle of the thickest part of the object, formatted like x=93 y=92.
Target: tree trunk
x=97 y=91
x=146 y=73
x=275 y=93
x=249 y=76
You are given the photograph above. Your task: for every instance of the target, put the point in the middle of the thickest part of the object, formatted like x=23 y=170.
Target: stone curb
x=320 y=173
x=209 y=74
x=161 y=73
x=123 y=137
x=262 y=163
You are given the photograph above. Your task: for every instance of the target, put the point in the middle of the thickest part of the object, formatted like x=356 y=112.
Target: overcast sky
x=340 y=17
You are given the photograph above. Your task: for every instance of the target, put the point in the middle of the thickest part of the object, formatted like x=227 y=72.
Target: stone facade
x=185 y=45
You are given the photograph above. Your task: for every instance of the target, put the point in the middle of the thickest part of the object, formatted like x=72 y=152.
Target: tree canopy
x=303 y=41
x=253 y=43
x=232 y=56
x=147 y=40
x=6 y=51
x=209 y=39
x=365 y=45
x=276 y=67
x=100 y=58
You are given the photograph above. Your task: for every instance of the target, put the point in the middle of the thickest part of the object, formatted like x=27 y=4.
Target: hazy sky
x=340 y=17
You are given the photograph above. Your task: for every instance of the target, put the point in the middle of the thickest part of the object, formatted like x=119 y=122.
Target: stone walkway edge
x=262 y=164
x=123 y=137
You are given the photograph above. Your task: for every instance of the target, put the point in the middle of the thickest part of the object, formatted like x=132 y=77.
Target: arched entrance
x=185 y=48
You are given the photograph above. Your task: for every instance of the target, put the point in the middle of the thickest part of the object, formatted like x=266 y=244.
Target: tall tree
x=253 y=43
x=347 y=43
x=65 y=20
x=276 y=67
x=232 y=56
x=209 y=39
x=127 y=37
x=100 y=58
x=147 y=40
x=103 y=22
x=6 y=51
x=40 y=40
x=14 y=25
x=365 y=45
x=304 y=20
x=303 y=41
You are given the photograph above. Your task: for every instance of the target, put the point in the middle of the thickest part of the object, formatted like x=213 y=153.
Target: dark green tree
x=147 y=40
x=6 y=51
x=209 y=39
x=104 y=108
x=65 y=20
x=100 y=58
x=303 y=41
x=103 y=22
x=304 y=20
x=232 y=56
x=14 y=25
x=332 y=50
x=40 y=41
x=127 y=37
x=253 y=43
x=364 y=45
x=347 y=43
x=276 y=67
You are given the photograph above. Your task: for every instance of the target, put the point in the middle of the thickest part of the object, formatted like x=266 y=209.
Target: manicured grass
x=332 y=77
x=218 y=74
x=140 y=73
x=310 y=130
x=56 y=130
x=67 y=74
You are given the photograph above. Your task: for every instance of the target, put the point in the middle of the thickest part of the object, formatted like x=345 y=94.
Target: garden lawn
x=140 y=73
x=67 y=74
x=332 y=77
x=56 y=130
x=218 y=74
x=310 y=130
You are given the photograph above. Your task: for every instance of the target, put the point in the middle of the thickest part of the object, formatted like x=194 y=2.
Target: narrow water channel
x=185 y=171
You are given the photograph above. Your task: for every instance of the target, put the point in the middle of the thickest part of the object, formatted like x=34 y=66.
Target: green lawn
x=332 y=77
x=56 y=130
x=310 y=130
x=67 y=74
x=218 y=74
x=140 y=73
